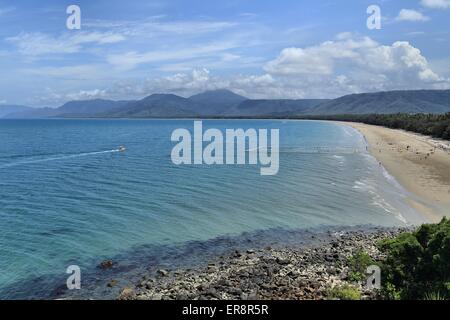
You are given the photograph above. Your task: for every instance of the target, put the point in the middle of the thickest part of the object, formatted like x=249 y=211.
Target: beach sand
x=420 y=164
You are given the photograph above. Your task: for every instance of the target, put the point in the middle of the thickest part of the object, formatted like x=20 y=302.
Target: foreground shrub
x=358 y=264
x=418 y=264
x=344 y=292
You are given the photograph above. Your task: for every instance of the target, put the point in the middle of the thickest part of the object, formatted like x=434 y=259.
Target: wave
x=65 y=157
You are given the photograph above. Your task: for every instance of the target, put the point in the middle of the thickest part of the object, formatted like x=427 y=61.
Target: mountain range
x=224 y=103
x=417 y=101
x=6 y=109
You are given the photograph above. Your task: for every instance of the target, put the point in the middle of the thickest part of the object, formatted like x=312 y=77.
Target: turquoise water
x=68 y=197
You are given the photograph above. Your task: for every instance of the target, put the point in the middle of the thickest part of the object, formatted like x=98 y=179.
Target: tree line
x=435 y=125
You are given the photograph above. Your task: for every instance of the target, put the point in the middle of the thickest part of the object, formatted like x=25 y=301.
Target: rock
x=252 y=296
x=156 y=296
x=236 y=291
x=163 y=272
x=112 y=283
x=212 y=269
x=127 y=294
x=283 y=261
x=107 y=264
x=279 y=273
x=308 y=290
x=212 y=293
x=181 y=296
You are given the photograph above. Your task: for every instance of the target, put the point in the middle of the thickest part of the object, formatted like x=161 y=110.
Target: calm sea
x=68 y=197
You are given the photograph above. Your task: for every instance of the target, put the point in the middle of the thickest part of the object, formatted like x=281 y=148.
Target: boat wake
x=33 y=160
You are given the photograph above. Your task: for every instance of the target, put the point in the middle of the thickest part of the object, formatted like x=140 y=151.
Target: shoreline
x=196 y=261
x=307 y=272
x=419 y=163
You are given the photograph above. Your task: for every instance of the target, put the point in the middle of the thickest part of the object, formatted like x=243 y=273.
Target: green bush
x=434 y=296
x=358 y=264
x=345 y=292
x=418 y=263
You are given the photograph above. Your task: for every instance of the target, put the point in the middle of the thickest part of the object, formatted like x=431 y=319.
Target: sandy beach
x=420 y=164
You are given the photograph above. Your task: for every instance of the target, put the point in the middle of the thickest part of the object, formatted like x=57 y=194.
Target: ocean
x=69 y=197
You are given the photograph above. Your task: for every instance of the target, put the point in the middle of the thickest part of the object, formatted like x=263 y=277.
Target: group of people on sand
x=408 y=148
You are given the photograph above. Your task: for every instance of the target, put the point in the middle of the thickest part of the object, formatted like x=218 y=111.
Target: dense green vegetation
x=436 y=125
x=344 y=292
x=358 y=264
x=418 y=263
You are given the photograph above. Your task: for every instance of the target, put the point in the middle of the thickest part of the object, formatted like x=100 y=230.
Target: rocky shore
x=299 y=273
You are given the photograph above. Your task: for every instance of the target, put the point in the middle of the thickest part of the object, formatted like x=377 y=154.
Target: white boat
x=122 y=149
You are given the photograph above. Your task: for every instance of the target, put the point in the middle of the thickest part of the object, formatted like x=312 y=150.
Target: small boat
x=122 y=149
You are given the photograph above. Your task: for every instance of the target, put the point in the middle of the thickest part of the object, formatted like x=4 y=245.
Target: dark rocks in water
x=127 y=294
x=112 y=283
x=292 y=273
x=163 y=272
x=107 y=264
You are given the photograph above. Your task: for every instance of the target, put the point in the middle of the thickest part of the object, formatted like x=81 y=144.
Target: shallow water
x=68 y=197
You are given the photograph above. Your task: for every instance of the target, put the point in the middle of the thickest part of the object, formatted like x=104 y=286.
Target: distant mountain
x=6 y=109
x=156 y=106
x=89 y=107
x=72 y=109
x=224 y=103
x=278 y=108
x=220 y=103
x=216 y=102
x=33 y=113
x=417 y=101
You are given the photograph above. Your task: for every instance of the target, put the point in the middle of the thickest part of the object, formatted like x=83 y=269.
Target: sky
x=258 y=48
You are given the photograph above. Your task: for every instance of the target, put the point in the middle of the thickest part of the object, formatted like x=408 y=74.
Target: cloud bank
x=347 y=64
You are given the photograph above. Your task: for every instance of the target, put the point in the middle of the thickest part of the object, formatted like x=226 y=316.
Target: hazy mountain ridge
x=217 y=102
x=224 y=103
x=71 y=109
x=274 y=107
x=156 y=105
x=416 y=101
x=89 y=107
x=6 y=109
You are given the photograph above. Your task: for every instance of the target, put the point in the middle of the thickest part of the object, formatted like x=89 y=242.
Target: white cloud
x=351 y=64
x=411 y=15
x=67 y=72
x=347 y=64
x=35 y=44
x=154 y=26
x=198 y=80
x=436 y=4
x=132 y=59
x=87 y=94
x=54 y=98
x=320 y=59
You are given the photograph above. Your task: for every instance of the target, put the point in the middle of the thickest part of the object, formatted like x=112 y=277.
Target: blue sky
x=258 y=48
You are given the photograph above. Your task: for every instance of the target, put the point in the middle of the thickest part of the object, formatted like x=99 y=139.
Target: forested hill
x=435 y=125
x=411 y=101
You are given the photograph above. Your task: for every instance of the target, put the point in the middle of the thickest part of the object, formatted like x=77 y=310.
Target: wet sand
x=420 y=164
